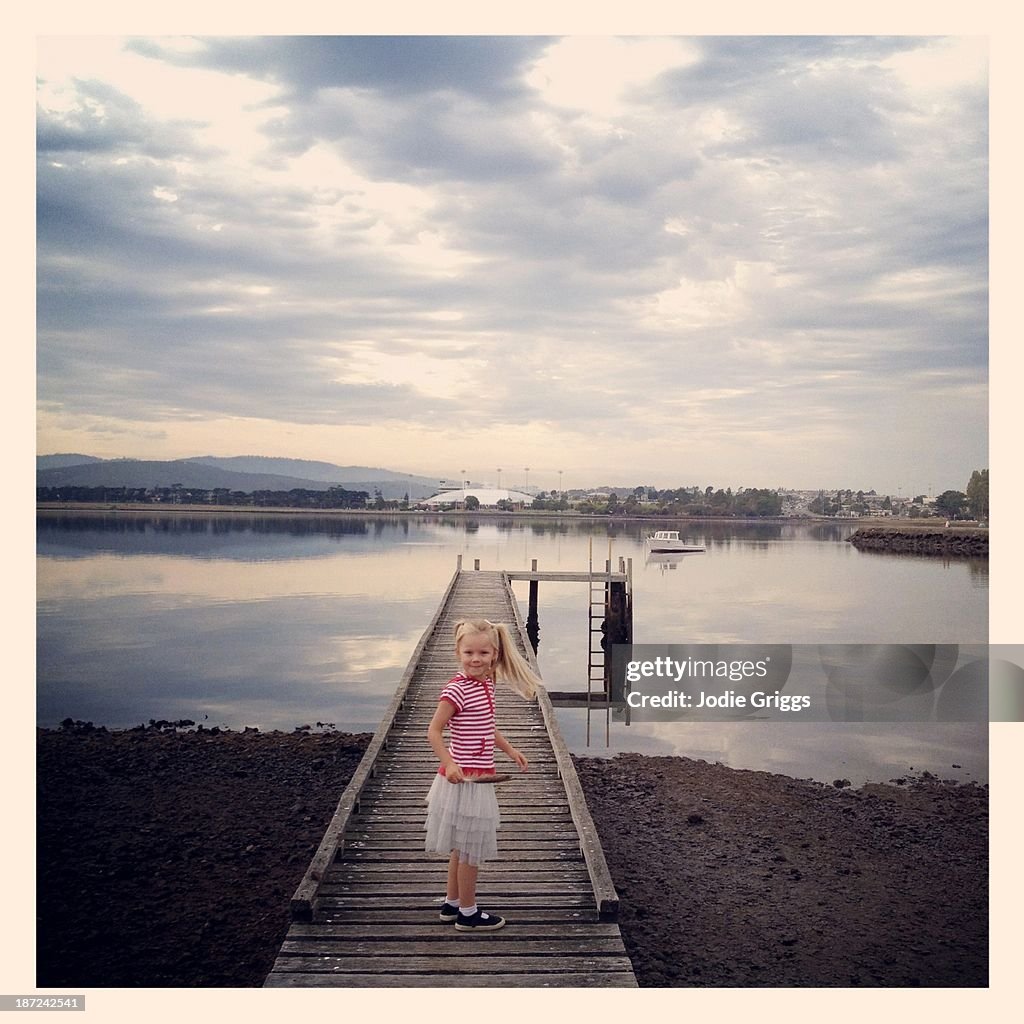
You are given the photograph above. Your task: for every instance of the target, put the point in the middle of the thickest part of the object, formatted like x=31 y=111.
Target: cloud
x=750 y=239
x=487 y=66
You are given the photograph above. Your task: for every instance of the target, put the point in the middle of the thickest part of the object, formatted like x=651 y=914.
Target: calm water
x=277 y=621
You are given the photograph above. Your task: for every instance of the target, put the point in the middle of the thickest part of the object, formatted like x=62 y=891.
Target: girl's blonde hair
x=509 y=664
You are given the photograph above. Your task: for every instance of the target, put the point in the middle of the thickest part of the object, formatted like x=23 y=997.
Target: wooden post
x=618 y=626
x=532 y=616
x=458 y=564
x=627 y=613
x=476 y=563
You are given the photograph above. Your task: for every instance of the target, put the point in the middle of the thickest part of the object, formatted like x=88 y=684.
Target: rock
x=963 y=541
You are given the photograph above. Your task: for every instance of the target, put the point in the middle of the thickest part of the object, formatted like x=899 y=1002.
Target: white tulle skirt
x=462 y=816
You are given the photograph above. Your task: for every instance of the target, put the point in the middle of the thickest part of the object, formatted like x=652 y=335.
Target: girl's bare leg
x=452 y=891
x=466 y=874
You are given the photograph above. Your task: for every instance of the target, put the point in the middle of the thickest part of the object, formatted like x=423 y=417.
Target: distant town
x=682 y=502
x=255 y=481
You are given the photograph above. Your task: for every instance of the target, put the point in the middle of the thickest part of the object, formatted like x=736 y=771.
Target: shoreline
x=247 y=510
x=168 y=858
x=486 y=513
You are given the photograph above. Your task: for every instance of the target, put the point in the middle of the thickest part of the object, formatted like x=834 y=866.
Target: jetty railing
x=605 y=896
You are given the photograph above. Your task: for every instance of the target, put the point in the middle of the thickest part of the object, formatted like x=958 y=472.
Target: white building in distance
x=487 y=496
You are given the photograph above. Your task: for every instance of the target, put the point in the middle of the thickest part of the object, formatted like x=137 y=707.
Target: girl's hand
x=520 y=759
x=453 y=772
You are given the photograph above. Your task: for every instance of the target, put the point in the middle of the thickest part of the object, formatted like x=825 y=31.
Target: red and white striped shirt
x=471 y=742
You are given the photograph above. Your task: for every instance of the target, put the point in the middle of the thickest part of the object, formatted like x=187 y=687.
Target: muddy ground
x=168 y=858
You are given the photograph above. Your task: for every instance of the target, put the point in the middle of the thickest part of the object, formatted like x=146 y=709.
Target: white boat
x=668 y=542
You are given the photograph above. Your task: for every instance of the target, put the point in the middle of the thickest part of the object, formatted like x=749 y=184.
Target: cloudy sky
x=740 y=261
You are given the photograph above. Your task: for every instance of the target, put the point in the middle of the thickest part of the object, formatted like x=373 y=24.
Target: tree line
x=971 y=503
x=297 y=497
x=746 y=503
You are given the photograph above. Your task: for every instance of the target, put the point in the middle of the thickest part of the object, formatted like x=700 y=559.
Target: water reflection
x=978 y=567
x=277 y=620
x=823 y=751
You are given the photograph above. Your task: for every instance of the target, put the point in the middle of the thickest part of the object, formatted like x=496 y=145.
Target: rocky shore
x=743 y=878
x=959 y=541
x=168 y=858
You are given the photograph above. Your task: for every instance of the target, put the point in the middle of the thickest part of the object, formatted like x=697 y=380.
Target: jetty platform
x=366 y=912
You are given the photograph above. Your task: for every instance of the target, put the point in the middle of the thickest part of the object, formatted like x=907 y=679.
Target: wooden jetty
x=366 y=913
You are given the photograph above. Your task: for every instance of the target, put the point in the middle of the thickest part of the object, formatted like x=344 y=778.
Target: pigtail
x=513 y=666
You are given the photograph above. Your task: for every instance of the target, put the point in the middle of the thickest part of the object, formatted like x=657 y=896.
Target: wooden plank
x=460 y=964
x=609 y=979
x=511 y=798
x=393 y=931
x=510 y=793
x=581 y=699
x=512 y=809
x=374 y=874
x=524 y=855
x=496 y=888
x=454 y=943
x=417 y=781
x=530 y=833
x=523 y=819
x=519 y=916
x=346 y=869
x=566 y=577
x=418 y=769
x=558 y=829
x=368 y=844
x=425 y=901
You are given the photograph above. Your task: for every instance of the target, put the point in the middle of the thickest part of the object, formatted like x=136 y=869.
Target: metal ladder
x=597 y=612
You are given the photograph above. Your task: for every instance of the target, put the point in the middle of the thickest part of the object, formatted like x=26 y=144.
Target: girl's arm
x=443 y=714
x=503 y=745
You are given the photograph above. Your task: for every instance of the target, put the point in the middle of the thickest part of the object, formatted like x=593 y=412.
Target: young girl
x=463 y=818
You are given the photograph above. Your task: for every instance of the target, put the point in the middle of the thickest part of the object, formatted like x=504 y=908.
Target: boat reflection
x=668 y=561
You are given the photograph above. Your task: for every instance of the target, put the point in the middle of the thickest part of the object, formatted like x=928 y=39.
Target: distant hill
x=140 y=473
x=60 y=461
x=206 y=474
x=307 y=469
